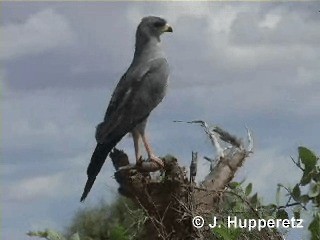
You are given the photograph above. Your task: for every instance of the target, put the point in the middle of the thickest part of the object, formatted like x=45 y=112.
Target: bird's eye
x=159 y=24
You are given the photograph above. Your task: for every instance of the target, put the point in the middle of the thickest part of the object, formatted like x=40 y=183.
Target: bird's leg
x=136 y=137
x=149 y=150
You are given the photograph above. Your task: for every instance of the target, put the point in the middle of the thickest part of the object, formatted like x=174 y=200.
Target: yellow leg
x=149 y=150
x=136 y=138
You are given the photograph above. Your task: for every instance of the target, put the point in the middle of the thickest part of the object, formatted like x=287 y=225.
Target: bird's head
x=152 y=27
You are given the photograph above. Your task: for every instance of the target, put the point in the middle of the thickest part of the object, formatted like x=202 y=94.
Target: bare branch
x=250 y=141
x=193 y=166
x=227 y=137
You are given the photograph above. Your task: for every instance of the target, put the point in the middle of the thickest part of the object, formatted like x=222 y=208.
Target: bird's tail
x=97 y=160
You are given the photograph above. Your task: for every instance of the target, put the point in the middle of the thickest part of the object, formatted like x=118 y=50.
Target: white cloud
x=36 y=187
x=41 y=32
x=45 y=118
x=308 y=74
x=270 y=21
x=3 y=84
x=222 y=20
x=57 y=184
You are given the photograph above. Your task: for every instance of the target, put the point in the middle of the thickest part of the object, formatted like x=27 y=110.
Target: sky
x=232 y=64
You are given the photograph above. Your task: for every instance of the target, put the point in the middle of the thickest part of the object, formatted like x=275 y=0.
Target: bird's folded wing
x=121 y=105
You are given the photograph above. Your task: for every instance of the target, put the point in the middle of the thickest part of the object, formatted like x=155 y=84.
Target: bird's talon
x=139 y=161
x=157 y=161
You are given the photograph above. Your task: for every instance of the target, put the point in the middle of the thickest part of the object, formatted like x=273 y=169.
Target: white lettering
x=299 y=223
x=270 y=223
x=285 y=223
x=252 y=224
x=234 y=222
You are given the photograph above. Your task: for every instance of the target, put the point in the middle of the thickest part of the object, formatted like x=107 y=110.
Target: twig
x=290 y=197
x=227 y=137
x=153 y=220
x=212 y=162
x=290 y=205
x=211 y=134
x=297 y=164
x=250 y=141
x=165 y=212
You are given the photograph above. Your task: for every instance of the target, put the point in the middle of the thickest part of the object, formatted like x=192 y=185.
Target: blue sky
x=232 y=64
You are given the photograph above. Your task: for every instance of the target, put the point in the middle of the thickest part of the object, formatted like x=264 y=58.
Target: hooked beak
x=167 y=28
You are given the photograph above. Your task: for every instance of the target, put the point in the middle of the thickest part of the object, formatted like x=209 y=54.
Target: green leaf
x=233 y=204
x=234 y=185
x=296 y=192
x=316 y=201
x=223 y=232
x=48 y=234
x=304 y=199
x=314 y=190
x=308 y=158
x=37 y=234
x=316 y=176
x=306 y=178
x=248 y=189
x=296 y=215
x=297 y=212
x=278 y=194
x=314 y=227
x=282 y=214
x=118 y=233
x=269 y=209
x=254 y=200
x=53 y=235
x=75 y=237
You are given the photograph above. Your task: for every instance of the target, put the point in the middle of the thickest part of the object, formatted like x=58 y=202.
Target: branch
x=228 y=159
x=193 y=166
x=227 y=137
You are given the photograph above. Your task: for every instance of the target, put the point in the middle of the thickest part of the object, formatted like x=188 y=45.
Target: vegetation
x=123 y=220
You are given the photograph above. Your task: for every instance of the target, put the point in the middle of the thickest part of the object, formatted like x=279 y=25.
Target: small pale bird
x=138 y=92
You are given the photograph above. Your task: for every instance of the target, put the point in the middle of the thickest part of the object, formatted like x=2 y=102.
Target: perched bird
x=138 y=92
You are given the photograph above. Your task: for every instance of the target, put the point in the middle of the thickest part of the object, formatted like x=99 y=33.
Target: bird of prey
x=138 y=92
